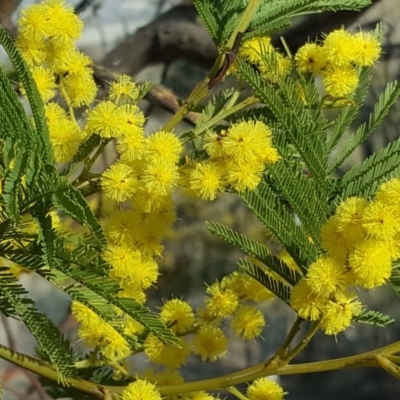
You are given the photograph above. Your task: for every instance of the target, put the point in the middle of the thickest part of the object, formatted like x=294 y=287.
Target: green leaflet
x=296 y=122
x=74 y=204
x=364 y=179
x=13 y=301
x=374 y=318
x=282 y=224
x=278 y=288
x=255 y=249
x=33 y=95
x=386 y=100
x=347 y=116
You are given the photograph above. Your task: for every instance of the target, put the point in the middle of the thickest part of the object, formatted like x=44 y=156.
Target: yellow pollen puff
x=366 y=49
x=206 y=180
x=264 y=389
x=140 y=390
x=338 y=47
x=370 y=263
x=340 y=81
x=253 y=49
x=326 y=276
x=123 y=90
x=160 y=177
x=210 y=343
x=163 y=145
x=247 y=322
x=310 y=58
x=222 y=303
x=178 y=314
x=389 y=192
x=119 y=182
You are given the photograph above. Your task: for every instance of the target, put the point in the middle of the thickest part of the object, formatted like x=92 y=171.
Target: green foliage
x=296 y=196
x=374 y=318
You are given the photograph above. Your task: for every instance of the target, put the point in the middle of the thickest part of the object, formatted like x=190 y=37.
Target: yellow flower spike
x=32 y=51
x=33 y=22
x=160 y=177
x=81 y=89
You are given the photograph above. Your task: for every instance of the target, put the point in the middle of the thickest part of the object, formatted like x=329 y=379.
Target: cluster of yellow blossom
x=237 y=158
x=361 y=241
x=336 y=59
x=46 y=38
x=259 y=52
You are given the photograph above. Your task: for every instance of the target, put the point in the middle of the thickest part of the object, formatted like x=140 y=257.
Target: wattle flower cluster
x=336 y=59
x=361 y=241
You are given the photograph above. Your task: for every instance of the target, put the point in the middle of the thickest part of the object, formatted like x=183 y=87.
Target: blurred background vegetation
x=163 y=40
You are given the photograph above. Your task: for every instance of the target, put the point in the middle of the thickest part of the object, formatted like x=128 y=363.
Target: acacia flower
x=210 y=343
x=389 y=192
x=160 y=177
x=340 y=81
x=163 y=145
x=306 y=302
x=333 y=240
x=326 y=276
x=81 y=89
x=123 y=89
x=163 y=354
x=366 y=49
x=370 y=263
x=380 y=220
x=338 y=313
x=104 y=119
x=310 y=57
x=140 y=390
x=247 y=322
x=31 y=50
x=33 y=22
x=65 y=135
x=339 y=47
x=244 y=175
x=252 y=49
x=222 y=303
x=119 y=182
x=120 y=226
x=206 y=180
x=65 y=24
x=246 y=141
x=77 y=63
x=274 y=68
x=124 y=260
x=348 y=218
x=213 y=143
x=45 y=82
x=178 y=314
x=264 y=389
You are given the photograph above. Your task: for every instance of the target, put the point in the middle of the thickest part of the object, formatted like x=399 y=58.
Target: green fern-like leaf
x=254 y=249
x=348 y=114
x=374 y=318
x=283 y=225
x=381 y=109
x=35 y=100
x=278 y=288
x=51 y=341
x=296 y=121
x=74 y=204
x=363 y=179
